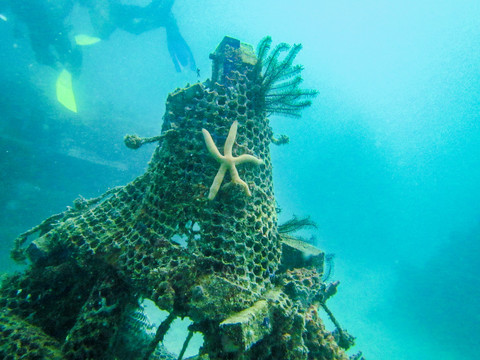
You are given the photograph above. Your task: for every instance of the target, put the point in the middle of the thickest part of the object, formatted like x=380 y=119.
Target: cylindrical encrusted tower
x=197 y=234
x=232 y=237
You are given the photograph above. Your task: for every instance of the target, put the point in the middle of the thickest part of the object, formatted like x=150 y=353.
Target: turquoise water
x=386 y=161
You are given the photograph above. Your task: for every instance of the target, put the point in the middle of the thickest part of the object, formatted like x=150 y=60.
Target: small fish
x=3 y=17
x=329 y=267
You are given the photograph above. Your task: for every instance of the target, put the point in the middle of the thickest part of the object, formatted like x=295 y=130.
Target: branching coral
x=281 y=79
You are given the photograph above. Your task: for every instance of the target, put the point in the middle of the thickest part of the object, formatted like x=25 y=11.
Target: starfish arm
x=217 y=182
x=236 y=179
x=232 y=134
x=212 y=148
x=247 y=158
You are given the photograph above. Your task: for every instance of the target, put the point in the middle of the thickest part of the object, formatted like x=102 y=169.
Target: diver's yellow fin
x=83 y=39
x=65 y=94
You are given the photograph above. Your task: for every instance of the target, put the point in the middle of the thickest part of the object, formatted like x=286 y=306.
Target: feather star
x=227 y=161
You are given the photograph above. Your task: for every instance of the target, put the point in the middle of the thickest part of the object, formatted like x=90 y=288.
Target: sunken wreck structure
x=197 y=234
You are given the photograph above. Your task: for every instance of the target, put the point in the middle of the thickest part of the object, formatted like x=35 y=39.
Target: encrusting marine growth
x=251 y=291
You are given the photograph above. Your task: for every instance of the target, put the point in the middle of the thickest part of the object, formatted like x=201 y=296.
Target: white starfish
x=227 y=161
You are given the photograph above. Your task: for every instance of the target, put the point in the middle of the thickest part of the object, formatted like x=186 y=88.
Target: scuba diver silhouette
x=48 y=31
x=50 y=34
x=108 y=15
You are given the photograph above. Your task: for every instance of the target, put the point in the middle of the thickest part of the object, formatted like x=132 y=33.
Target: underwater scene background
x=386 y=161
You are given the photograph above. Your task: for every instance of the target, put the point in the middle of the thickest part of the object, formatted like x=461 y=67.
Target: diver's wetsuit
x=108 y=15
x=49 y=35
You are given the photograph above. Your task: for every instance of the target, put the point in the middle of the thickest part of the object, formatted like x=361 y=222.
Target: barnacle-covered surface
x=160 y=238
x=19 y=339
